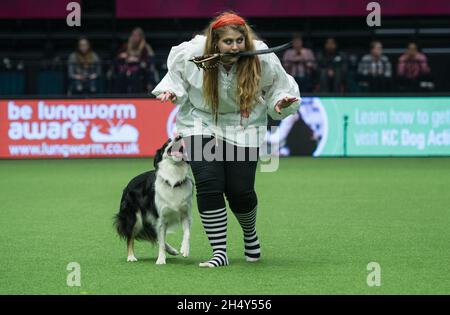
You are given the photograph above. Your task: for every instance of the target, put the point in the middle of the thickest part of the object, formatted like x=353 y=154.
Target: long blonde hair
x=84 y=59
x=137 y=51
x=248 y=70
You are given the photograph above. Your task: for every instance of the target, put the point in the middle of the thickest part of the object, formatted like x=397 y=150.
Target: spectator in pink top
x=300 y=63
x=412 y=69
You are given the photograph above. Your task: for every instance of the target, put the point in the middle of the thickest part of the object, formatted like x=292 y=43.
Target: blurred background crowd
x=336 y=55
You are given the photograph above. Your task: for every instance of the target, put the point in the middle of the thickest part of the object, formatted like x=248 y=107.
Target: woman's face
x=330 y=45
x=83 y=46
x=231 y=41
x=136 y=37
x=377 y=50
x=297 y=43
x=412 y=50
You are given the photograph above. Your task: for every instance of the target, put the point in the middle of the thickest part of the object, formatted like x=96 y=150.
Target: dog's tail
x=125 y=220
x=129 y=223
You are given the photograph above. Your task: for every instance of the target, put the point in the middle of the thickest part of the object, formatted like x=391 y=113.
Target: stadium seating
x=36 y=40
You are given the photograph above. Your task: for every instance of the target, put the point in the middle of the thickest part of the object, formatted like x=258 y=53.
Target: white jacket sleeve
x=283 y=85
x=174 y=80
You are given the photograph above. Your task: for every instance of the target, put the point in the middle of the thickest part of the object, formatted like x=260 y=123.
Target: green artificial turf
x=320 y=222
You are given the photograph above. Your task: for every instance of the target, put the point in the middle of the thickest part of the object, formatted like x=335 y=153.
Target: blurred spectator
x=375 y=69
x=135 y=66
x=300 y=63
x=12 y=76
x=84 y=69
x=332 y=68
x=352 y=84
x=7 y=64
x=412 y=69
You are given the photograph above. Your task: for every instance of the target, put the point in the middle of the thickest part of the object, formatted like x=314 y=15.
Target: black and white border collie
x=157 y=200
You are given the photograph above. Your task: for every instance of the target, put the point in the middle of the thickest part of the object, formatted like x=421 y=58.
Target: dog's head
x=172 y=150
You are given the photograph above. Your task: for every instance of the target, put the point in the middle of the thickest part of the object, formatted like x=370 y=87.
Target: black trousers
x=222 y=169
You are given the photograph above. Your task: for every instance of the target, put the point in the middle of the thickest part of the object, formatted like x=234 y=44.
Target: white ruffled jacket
x=194 y=116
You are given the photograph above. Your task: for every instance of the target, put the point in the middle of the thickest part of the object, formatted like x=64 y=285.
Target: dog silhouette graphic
x=116 y=133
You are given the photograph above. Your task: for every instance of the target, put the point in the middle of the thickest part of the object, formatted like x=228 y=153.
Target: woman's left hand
x=284 y=102
x=167 y=95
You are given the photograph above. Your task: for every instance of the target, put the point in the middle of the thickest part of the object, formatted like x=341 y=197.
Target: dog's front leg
x=162 y=244
x=186 y=223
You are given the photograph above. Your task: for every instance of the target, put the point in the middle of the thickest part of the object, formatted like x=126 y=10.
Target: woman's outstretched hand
x=284 y=102
x=165 y=96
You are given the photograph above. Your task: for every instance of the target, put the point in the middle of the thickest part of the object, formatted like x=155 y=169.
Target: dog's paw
x=131 y=258
x=184 y=250
x=161 y=261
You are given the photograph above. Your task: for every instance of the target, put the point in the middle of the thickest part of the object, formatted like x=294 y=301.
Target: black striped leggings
x=225 y=170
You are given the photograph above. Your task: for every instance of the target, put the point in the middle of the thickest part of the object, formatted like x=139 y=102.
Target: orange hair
x=248 y=68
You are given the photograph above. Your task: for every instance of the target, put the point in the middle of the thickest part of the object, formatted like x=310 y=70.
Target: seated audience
x=301 y=64
x=412 y=69
x=332 y=68
x=135 y=70
x=375 y=69
x=84 y=69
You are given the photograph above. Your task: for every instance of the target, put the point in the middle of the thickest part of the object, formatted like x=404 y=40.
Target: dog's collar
x=177 y=184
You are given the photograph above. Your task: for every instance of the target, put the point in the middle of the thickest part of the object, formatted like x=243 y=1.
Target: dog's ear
x=157 y=158
x=159 y=154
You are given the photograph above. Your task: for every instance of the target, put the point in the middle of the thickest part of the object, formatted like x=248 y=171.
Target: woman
x=300 y=63
x=135 y=67
x=332 y=68
x=227 y=101
x=84 y=69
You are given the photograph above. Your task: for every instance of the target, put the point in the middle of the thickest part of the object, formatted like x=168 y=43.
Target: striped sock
x=248 y=223
x=215 y=224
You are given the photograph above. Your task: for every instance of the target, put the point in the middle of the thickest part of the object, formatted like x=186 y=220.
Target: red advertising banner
x=275 y=8
x=76 y=128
